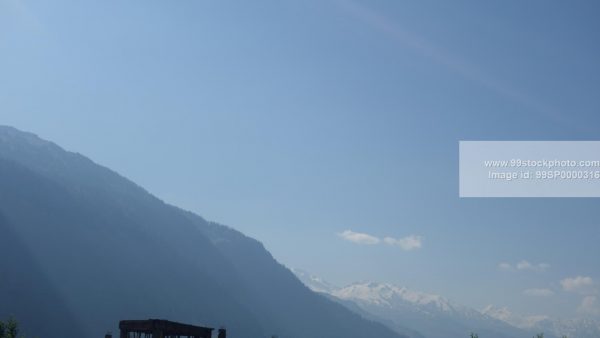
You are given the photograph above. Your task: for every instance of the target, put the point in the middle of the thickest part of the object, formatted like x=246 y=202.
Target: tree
x=539 y=335
x=10 y=329
x=474 y=335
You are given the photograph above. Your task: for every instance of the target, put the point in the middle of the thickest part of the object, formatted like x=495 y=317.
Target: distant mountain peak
x=501 y=313
x=426 y=314
x=389 y=294
x=313 y=282
x=572 y=328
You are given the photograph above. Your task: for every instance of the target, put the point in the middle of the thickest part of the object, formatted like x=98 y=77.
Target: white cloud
x=359 y=238
x=586 y=287
x=408 y=243
x=525 y=265
x=411 y=242
x=580 y=284
x=538 y=292
x=589 y=305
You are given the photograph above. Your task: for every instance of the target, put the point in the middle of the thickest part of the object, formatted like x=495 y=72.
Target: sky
x=329 y=129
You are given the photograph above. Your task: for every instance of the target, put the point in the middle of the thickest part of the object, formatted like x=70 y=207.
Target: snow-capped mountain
x=572 y=328
x=432 y=315
x=390 y=295
x=313 y=282
x=416 y=313
x=505 y=315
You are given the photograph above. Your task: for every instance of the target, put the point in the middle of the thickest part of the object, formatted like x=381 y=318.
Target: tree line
x=10 y=329
x=539 y=335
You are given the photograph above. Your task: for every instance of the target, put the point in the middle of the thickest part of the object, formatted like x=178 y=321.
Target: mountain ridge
x=416 y=312
x=108 y=250
x=572 y=328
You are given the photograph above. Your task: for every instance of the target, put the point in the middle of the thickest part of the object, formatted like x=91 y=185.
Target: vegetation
x=539 y=335
x=10 y=329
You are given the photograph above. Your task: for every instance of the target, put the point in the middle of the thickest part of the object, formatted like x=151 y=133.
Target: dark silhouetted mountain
x=81 y=247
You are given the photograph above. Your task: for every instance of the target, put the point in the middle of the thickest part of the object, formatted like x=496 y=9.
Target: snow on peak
x=314 y=283
x=505 y=315
x=497 y=312
x=395 y=302
x=574 y=328
x=389 y=294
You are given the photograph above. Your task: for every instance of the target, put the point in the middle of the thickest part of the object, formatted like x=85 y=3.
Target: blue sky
x=296 y=121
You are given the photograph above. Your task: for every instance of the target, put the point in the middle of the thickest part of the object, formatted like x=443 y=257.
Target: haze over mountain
x=420 y=314
x=81 y=248
x=572 y=328
x=296 y=121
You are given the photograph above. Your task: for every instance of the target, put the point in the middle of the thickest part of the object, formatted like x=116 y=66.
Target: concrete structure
x=158 y=328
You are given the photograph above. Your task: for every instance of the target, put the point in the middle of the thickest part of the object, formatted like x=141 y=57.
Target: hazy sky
x=313 y=125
